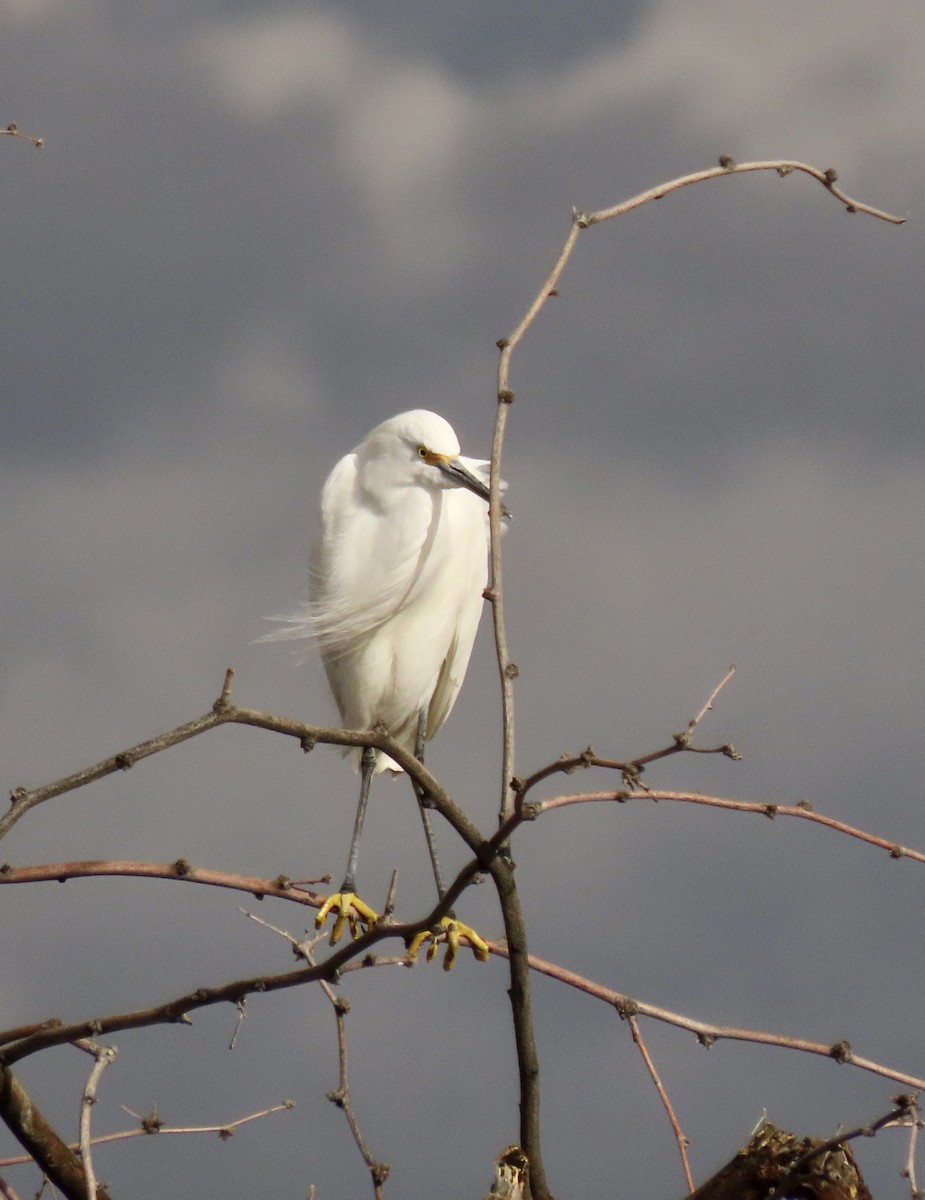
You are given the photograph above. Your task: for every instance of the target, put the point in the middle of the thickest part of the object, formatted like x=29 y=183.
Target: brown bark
x=32 y=1131
x=774 y=1157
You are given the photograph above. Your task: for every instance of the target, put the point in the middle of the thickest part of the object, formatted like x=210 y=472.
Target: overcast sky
x=254 y=232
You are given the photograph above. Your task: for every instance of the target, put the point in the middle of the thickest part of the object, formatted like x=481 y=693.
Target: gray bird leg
x=424 y=807
x=367 y=766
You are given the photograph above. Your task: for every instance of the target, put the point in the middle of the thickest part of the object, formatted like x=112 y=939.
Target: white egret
x=395 y=596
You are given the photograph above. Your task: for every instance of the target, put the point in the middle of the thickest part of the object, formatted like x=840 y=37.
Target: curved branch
x=803 y=811
x=728 y=166
x=224 y=713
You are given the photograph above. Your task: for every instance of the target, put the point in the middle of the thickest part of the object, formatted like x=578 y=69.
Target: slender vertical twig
x=30 y=1128
x=378 y=1171
x=102 y=1057
x=915 y=1124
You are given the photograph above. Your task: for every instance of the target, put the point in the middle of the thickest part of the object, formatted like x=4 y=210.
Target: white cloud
x=783 y=78
x=263 y=67
x=834 y=83
x=399 y=129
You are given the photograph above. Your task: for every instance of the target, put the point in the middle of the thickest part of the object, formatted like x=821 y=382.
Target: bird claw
x=351 y=910
x=448 y=930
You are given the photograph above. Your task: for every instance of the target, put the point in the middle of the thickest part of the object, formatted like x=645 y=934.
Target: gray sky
x=255 y=231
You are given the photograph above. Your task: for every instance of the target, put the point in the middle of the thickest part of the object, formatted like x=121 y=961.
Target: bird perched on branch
x=396 y=581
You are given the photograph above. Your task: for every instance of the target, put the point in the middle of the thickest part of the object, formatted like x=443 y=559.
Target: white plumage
x=395 y=595
x=396 y=576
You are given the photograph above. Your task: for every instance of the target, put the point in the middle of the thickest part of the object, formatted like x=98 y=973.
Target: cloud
x=405 y=132
x=265 y=66
x=23 y=14
x=399 y=128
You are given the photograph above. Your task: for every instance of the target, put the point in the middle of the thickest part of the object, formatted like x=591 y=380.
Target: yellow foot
x=448 y=930
x=351 y=910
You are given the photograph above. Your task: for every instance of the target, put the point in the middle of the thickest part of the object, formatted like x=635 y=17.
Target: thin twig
x=13 y=130
x=103 y=1056
x=727 y=166
x=630 y=769
x=708 y=1033
x=802 y=811
x=239 y=1023
x=280 y=888
x=152 y=1124
x=896 y=1116
x=507 y=670
x=915 y=1124
x=6 y=1191
x=378 y=1171
x=680 y=1138
x=42 y=1141
x=708 y=706
x=548 y=288
x=224 y=713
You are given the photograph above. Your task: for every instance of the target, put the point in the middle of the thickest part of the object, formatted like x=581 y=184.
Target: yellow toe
x=350 y=911
x=448 y=931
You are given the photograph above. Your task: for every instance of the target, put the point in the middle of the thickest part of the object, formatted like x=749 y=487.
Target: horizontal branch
x=13 y=130
x=24 y=1041
x=27 y=1040
x=281 y=888
x=224 y=713
x=802 y=811
x=152 y=1124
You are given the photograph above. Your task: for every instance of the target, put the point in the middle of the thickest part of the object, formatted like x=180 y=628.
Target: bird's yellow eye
x=422 y=451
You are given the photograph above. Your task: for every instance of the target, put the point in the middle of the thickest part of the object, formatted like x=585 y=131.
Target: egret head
x=420 y=448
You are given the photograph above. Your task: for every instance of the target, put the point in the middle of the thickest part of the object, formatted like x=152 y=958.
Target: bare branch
x=223 y=713
x=152 y=1124
x=507 y=670
x=13 y=130
x=36 y=1135
x=680 y=1138
x=915 y=1124
x=7 y=1192
x=280 y=888
x=782 y=167
x=529 y=1069
x=707 y=1033
x=103 y=1056
x=802 y=811
x=708 y=706
x=379 y=1171
x=630 y=769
